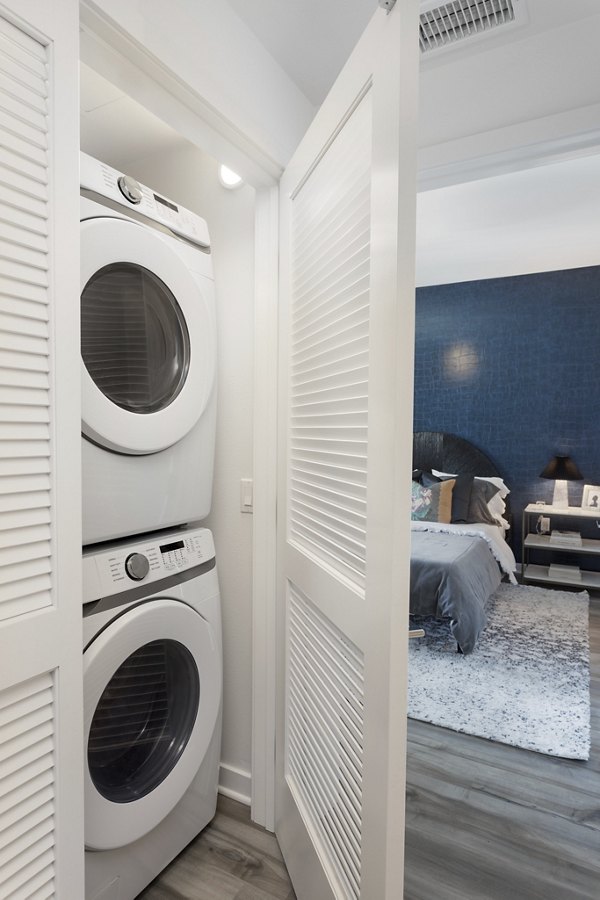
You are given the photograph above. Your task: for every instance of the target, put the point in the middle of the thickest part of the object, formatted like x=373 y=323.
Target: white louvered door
x=346 y=350
x=41 y=816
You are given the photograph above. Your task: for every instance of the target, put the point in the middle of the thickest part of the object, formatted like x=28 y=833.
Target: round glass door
x=152 y=695
x=148 y=337
x=134 y=339
x=143 y=721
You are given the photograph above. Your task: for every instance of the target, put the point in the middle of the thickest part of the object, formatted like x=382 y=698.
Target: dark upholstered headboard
x=450 y=453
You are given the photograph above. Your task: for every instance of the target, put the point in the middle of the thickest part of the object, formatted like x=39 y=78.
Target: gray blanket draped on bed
x=453 y=576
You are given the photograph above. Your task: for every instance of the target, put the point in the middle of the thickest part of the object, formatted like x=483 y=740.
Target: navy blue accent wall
x=513 y=365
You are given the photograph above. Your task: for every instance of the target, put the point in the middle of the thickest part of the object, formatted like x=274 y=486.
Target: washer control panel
x=126 y=191
x=122 y=565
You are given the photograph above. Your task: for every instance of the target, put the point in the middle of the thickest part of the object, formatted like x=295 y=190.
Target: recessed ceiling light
x=228 y=178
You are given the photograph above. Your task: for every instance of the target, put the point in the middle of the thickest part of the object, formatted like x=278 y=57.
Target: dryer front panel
x=147 y=338
x=152 y=687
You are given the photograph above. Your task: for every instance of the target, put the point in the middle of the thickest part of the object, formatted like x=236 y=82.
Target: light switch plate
x=246 y=495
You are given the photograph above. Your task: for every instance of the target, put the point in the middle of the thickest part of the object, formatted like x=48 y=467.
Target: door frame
x=108 y=51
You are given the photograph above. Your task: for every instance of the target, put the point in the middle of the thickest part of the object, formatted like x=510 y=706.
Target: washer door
x=147 y=339
x=152 y=690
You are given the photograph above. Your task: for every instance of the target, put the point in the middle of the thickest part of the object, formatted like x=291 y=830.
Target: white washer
x=152 y=664
x=148 y=346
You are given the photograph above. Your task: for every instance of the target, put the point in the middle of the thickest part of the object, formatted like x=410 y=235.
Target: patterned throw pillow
x=433 y=503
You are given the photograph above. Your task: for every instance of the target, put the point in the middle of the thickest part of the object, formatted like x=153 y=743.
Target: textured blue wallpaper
x=513 y=365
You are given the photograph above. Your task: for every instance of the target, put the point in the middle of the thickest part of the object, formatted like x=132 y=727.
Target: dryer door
x=147 y=338
x=152 y=686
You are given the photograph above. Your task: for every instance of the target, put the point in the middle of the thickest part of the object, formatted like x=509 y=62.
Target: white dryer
x=152 y=696
x=148 y=347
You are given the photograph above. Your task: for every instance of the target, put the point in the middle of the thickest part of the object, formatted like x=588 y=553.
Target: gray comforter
x=452 y=576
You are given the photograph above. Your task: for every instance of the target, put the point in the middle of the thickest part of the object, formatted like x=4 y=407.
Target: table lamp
x=561 y=469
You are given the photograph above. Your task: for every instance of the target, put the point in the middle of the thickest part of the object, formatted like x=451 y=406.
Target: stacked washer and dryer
x=151 y=607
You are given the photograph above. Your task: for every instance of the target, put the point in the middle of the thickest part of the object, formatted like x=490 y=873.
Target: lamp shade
x=562 y=468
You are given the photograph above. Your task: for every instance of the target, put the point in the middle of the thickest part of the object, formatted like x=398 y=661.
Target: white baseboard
x=235 y=783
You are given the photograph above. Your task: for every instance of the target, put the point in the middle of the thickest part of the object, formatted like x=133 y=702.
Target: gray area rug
x=528 y=681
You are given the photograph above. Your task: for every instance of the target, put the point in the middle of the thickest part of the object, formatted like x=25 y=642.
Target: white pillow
x=497 y=506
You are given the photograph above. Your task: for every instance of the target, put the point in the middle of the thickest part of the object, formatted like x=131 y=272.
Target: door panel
x=41 y=787
x=346 y=351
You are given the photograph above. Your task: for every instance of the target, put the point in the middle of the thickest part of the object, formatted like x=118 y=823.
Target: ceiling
x=523 y=217
x=310 y=39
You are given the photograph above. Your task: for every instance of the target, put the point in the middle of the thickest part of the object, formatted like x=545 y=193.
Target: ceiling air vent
x=448 y=23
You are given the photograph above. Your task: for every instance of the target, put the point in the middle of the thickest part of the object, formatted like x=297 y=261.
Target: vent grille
x=330 y=352
x=325 y=736
x=454 y=21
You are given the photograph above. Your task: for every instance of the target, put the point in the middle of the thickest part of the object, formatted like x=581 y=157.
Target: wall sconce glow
x=228 y=178
x=460 y=362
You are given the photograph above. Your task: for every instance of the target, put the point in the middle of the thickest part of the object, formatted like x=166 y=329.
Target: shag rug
x=527 y=683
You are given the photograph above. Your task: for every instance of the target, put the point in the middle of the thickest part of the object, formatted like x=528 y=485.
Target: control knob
x=137 y=566
x=130 y=189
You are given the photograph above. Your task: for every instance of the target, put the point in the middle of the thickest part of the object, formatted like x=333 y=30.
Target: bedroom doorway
x=463 y=786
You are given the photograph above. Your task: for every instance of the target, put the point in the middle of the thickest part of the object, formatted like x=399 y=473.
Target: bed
x=457 y=565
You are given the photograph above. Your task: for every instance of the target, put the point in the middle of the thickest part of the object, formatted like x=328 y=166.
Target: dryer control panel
x=96 y=176
x=122 y=565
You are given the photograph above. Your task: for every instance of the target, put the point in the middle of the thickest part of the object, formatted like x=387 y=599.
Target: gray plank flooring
x=233 y=859
x=484 y=821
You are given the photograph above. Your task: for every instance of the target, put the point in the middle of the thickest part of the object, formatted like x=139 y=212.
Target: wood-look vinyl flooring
x=232 y=859
x=484 y=821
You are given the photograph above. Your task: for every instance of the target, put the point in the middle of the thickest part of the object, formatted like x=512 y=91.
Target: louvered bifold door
x=40 y=551
x=347 y=332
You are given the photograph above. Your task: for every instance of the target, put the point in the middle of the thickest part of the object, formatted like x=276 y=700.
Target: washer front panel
x=106 y=241
x=105 y=571
x=108 y=824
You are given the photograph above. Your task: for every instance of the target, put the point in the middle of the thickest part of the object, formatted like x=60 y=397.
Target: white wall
x=189 y=177
x=538 y=220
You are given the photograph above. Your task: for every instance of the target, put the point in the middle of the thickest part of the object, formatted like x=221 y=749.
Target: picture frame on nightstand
x=591 y=497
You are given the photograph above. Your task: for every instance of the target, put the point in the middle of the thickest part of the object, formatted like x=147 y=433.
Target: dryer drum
x=135 y=342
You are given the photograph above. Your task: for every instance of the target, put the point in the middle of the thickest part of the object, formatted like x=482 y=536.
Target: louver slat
x=18 y=236
x=27 y=789
x=324 y=747
x=25 y=479
x=18 y=537
x=329 y=339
